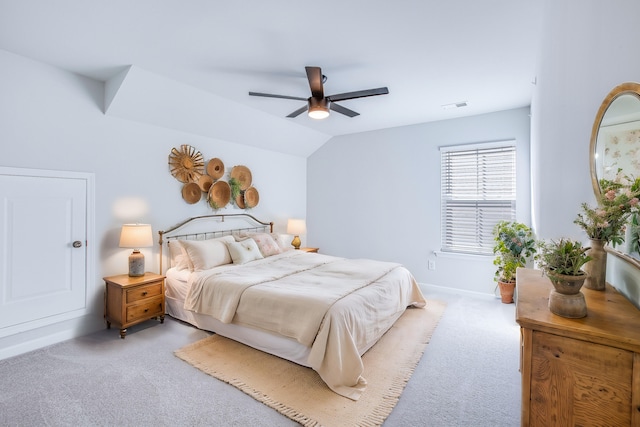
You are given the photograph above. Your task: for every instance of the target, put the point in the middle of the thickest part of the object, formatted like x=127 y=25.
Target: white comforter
x=337 y=307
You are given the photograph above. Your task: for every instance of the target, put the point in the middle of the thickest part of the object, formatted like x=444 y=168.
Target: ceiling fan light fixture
x=318 y=114
x=318 y=105
x=318 y=108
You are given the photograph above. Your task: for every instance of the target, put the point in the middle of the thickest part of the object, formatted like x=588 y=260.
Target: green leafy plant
x=562 y=257
x=514 y=245
x=235 y=189
x=213 y=204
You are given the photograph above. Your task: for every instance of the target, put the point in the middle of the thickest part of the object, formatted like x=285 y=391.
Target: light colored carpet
x=299 y=393
x=467 y=376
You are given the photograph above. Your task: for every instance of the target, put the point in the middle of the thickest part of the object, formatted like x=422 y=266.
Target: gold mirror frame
x=629 y=88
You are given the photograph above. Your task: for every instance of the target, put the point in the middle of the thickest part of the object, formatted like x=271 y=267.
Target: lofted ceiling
x=207 y=55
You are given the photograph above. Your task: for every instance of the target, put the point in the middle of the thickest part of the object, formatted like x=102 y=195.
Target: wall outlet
x=432 y=264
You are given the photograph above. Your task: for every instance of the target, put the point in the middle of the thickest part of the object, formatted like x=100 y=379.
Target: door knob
x=77 y=244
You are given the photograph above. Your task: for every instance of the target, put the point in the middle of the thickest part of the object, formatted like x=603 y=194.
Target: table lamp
x=136 y=236
x=296 y=227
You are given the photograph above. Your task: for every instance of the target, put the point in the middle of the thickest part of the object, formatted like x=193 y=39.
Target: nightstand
x=314 y=250
x=131 y=300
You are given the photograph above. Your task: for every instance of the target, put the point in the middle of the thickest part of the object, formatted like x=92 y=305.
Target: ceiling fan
x=318 y=105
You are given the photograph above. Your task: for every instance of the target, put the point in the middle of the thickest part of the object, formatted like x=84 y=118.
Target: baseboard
x=27 y=341
x=426 y=286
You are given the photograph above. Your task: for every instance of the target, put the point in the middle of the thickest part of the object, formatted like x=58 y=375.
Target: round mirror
x=615 y=137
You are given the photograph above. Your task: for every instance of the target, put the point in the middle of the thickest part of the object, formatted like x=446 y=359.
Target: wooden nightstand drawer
x=144 y=311
x=131 y=300
x=142 y=292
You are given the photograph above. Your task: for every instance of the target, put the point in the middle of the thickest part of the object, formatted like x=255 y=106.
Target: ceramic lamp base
x=296 y=242
x=136 y=264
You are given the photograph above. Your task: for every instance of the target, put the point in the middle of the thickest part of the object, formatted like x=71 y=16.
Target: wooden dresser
x=131 y=300
x=582 y=372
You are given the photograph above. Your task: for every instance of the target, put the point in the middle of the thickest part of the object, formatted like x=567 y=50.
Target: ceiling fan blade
x=269 y=95
x=342 y=110
x=314 y=75
x=358 y=94
x=298 y=111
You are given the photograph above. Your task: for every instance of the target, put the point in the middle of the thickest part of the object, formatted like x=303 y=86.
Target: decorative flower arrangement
x=619 y=199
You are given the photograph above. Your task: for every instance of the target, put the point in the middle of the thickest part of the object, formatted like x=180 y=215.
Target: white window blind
x=478 y=190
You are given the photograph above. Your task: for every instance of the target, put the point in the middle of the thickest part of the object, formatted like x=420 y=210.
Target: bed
x=232 y=275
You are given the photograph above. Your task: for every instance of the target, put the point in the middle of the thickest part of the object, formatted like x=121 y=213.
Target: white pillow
x=179 y=258
x=244 y=251
x=206 y=254
x=280 y=240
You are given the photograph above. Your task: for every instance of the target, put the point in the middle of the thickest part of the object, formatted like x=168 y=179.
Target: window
x=478 y=191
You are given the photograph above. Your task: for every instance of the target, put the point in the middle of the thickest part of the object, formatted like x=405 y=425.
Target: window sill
x=458 y=255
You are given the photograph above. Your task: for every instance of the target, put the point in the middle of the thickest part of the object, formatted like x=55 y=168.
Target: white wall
x=52 y=119
x=377 y=195
x=589 y=47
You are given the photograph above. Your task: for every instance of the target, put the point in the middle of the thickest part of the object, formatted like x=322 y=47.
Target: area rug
x=300 y=394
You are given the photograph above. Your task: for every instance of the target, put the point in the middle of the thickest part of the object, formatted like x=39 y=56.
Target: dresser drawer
x=142 y=292
x=145 y=310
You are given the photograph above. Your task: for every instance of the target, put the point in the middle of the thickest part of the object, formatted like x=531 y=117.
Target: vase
x=597 y=267
x=506 y=291
x=565 y=299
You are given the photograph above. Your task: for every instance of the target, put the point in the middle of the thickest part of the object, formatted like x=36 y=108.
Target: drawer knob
x=146 y=309
x=145 y=293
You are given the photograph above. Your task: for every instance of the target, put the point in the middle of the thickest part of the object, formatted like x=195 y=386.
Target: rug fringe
x=255 y=394
x=280 y=407
x=389 y=400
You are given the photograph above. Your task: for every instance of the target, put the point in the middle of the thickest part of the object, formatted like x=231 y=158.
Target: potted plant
x=563 y=257
x=562 y=261
x=514 y=245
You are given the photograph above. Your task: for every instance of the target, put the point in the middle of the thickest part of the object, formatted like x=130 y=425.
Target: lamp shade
x=136 y=236
x=296 y=227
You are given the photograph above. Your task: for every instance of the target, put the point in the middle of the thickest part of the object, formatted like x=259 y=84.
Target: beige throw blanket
x=338 y=307
x=294 y=295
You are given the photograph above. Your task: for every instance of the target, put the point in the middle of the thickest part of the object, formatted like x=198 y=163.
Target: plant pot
x=597 y=267
x=565 y=299
x=506 y=291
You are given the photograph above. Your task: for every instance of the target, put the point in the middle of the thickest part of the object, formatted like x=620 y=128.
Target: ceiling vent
x=455 y=105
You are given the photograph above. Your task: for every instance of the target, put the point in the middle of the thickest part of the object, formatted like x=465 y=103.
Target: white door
x=43 y=256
